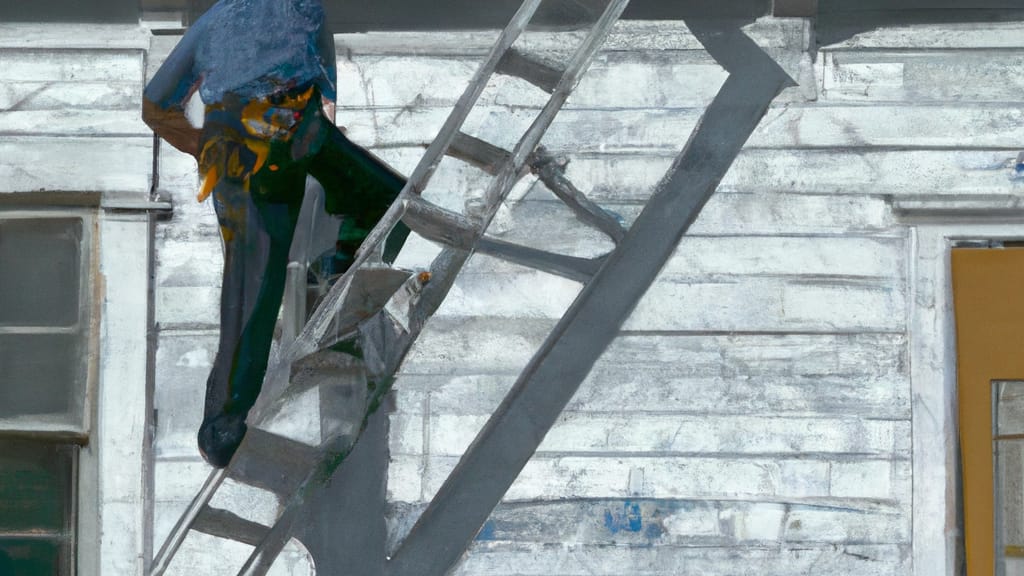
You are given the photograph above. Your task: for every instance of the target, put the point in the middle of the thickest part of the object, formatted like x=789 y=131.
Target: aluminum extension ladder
x=290 y=468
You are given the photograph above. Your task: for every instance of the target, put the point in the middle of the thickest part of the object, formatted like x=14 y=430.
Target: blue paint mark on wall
x=487 y=531
x=1018 y=169
x=628 y=519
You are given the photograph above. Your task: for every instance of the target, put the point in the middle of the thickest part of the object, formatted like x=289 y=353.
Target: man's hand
x=172 y=126
x=329 y=109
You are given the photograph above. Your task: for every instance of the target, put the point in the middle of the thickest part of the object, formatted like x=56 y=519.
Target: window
x=1008 y=404
x=46 y=336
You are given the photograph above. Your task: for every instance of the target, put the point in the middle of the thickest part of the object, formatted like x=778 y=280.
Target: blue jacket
x=249 y=48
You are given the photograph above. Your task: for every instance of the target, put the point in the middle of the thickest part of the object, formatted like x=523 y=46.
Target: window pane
x=42 y=374
x=36 y=488
x=1009 y=408
x=39 y=271
x=24 y=557
x=1009 y=477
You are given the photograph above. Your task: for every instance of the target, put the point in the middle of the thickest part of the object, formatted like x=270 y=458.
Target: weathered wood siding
x=70 y=111
x=754 y=416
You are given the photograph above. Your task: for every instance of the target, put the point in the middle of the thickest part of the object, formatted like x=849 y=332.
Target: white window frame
x=42 y=427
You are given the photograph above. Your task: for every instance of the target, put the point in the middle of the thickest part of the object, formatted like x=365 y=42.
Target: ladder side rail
x=185 y=522
x=308 y=341
x=551 y=171
x=510 y=438
x=443 y=277
x=579 y=63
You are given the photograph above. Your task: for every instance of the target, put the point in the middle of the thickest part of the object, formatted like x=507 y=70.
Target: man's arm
x=172 y=125
x=163 y=102
x=328 y=81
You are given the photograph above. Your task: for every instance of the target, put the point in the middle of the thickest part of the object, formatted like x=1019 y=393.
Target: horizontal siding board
x=73 y=122
x=671 y=435
x=503 y=346
x=733 y=304
x=122 y=164
x=812 y=222
x=614 y=80
x=562 y=560
x=69 y=36
x=191 y=262
x=855 y=375
x=183 y=361
x=916 y=77
x=966 y=35
x=37 y=65
x=187 y=306
x=727 y=477
x=70 y=96
x=699 y=257
x=629 y=35
x=849 y=172
x=794 y=126
x=667 y=524
x=864 y=173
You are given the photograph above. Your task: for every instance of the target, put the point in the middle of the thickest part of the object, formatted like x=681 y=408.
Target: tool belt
x=237 y=134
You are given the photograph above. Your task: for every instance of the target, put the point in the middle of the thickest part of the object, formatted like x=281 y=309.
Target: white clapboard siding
x=189 y=262
x=744 y=303
x=754 y=478
x=38 y=65
x=864 y=173
x=667 y=524
x=73 y=122
x=925 y=76
x=701 y=256
x=672 y=435
x=726 y=214
x=683 y=79
x=522 y=560
x=664 y=388
x=729 y=304
x=493 y=346
x=627 y=35
x=953 y=35
x=794 y=126
x=187 y=307
x=74 y=36
x=70 y=96
x=183 y=361
x=76 y=164
x=861 y=375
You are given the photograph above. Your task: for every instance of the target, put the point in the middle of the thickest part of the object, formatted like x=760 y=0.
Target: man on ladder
x=263 y=68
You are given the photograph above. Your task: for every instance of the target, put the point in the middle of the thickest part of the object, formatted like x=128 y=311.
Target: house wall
x=756 y=412
x=754 y=415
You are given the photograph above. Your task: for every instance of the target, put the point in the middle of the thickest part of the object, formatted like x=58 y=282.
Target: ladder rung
x=225 y=524
x=541 y=75
x=571 y=267
x=479 y=153
x=438 y=224
x=271 y=462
